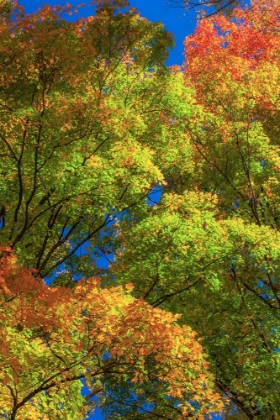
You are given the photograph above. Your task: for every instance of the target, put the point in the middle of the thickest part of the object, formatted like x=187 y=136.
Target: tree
x=237 y=153
x=92 y=123
x=83 y=105
x=68 y=109
x=53 y=338
x=210 y=248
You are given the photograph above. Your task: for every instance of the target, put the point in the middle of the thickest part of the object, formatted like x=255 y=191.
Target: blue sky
x=175 y=20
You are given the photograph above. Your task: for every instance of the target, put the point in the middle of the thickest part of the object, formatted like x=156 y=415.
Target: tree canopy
x=184 y=322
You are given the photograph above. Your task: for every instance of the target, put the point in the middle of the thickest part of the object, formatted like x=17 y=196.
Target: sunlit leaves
x=93 y=127
x=51 y=338
x=210 y=247
x=78 y=104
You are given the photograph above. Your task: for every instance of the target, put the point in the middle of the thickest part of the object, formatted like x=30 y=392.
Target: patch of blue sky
x=96 y=415
x=102 y=259
x=236 y=203
x=155 y=195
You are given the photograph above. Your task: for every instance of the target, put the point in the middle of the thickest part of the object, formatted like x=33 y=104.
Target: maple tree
x=210 y=248
x=70 y=110
x=92 y=125
x=51 y=338
x=235 y=66
x=79 y=103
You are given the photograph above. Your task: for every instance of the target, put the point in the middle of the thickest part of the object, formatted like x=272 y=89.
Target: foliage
x=92 y=124
x=210 y=248
x=70 y=96
x=51 y=338
x=235 y=68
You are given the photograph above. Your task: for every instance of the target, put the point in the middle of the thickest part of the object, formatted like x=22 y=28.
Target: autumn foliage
x=51 y=338
x=171 y=175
